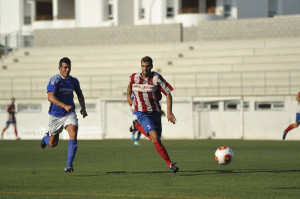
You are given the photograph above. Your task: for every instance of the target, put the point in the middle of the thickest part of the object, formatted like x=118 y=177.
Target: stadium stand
x=241 y=67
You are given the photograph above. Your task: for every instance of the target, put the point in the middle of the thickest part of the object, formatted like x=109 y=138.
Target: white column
x=103 y=8
x=280 y=7
x=234 y=9
x=32 y=5
x=220 y=8
x=54 y=9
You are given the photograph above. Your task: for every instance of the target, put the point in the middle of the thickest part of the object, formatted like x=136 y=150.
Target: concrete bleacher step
x=271 y=59
x=209 y=45
x=201 y=68
x=274 y=66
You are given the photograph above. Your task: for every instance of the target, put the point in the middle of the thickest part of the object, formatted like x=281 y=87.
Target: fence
x=15 y=40
x=185 y=84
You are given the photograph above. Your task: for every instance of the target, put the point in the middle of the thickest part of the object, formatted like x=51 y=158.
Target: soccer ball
x=224 y=155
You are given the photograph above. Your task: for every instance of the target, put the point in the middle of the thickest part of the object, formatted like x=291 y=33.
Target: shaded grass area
x=119 y=169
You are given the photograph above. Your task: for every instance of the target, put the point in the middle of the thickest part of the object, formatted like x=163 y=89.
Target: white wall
x=112 y=119
x=11 y=19
x=90 y=13
x=126 y=11
x=34 y=125
x=154 y=13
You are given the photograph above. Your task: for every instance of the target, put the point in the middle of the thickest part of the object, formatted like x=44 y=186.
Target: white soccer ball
x=224 y=155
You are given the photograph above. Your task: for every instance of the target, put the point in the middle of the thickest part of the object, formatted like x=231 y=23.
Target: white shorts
x=57 y=124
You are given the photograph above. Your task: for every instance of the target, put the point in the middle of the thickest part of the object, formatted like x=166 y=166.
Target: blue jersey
x=63 y=90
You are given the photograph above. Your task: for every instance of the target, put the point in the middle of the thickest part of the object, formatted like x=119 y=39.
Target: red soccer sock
x=162 y=152
x=289 y=128
x=16 y=133
x=140 y=129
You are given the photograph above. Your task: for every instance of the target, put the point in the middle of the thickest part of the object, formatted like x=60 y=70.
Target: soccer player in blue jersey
x=62 y=110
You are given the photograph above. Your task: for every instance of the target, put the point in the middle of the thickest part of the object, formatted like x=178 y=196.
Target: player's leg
x=291 y=126
x=72 y=147
x=15 y=129
x=4 y=129
x=136 y=142
x=139 y=127
x=152 y=123
x=132 y=134
x=162 y=150
x=71 y=125
x=159 y=147
x=51 y=138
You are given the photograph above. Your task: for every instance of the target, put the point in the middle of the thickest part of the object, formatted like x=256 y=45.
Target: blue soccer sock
x=72 y=148
x=46 y=139
x=133 y=132
x=138 y=136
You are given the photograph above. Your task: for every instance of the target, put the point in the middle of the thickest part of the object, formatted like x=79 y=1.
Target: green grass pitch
x=118 y=169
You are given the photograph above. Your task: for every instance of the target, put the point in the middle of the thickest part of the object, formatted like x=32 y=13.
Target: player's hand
x=83 y=113
x=171 y=118
x=68 y=108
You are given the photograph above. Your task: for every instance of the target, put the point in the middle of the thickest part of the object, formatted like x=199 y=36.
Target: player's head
x=146 y=65
x=65 y=67
x=13 y=100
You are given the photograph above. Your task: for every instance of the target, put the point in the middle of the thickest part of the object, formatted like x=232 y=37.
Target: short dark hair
x=65 y=60
x=147 y=59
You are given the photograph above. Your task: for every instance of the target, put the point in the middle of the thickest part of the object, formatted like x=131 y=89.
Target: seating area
x=207 y=68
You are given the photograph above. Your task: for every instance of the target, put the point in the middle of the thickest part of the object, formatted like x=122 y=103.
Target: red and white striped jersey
x=147 y=91
x=11 y=114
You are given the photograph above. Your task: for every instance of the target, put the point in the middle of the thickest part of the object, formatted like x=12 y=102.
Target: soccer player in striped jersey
x=11 y=118
x=296 y=124
x=147 y=87
x=62 y=110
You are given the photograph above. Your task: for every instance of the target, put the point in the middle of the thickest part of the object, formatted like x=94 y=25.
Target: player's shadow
x=206 y=172
x=233 y=171
x=136 y=172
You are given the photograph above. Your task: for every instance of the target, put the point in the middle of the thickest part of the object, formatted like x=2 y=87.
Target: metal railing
x=15 y=40
x=267 y=83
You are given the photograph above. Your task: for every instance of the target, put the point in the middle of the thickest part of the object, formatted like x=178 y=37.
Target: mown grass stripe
x=107 y=195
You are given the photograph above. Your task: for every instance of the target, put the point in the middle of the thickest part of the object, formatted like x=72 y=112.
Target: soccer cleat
x=137 y=143
x=174 y=168
x=68 y=169
x=43 y=144
x=131 y=128
x=284 y=135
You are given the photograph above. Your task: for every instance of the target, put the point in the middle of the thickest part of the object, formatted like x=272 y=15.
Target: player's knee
x=154 y=138
x=296 y=125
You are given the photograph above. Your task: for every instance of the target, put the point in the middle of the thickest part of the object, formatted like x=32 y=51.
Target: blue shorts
x=9 y=122
x=298 y=117
x=150 y=121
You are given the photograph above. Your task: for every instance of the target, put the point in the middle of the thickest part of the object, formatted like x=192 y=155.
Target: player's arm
x=129 y=91
x=170 y=115
x=82 y=104
x=54 y=100
x=10 y=110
